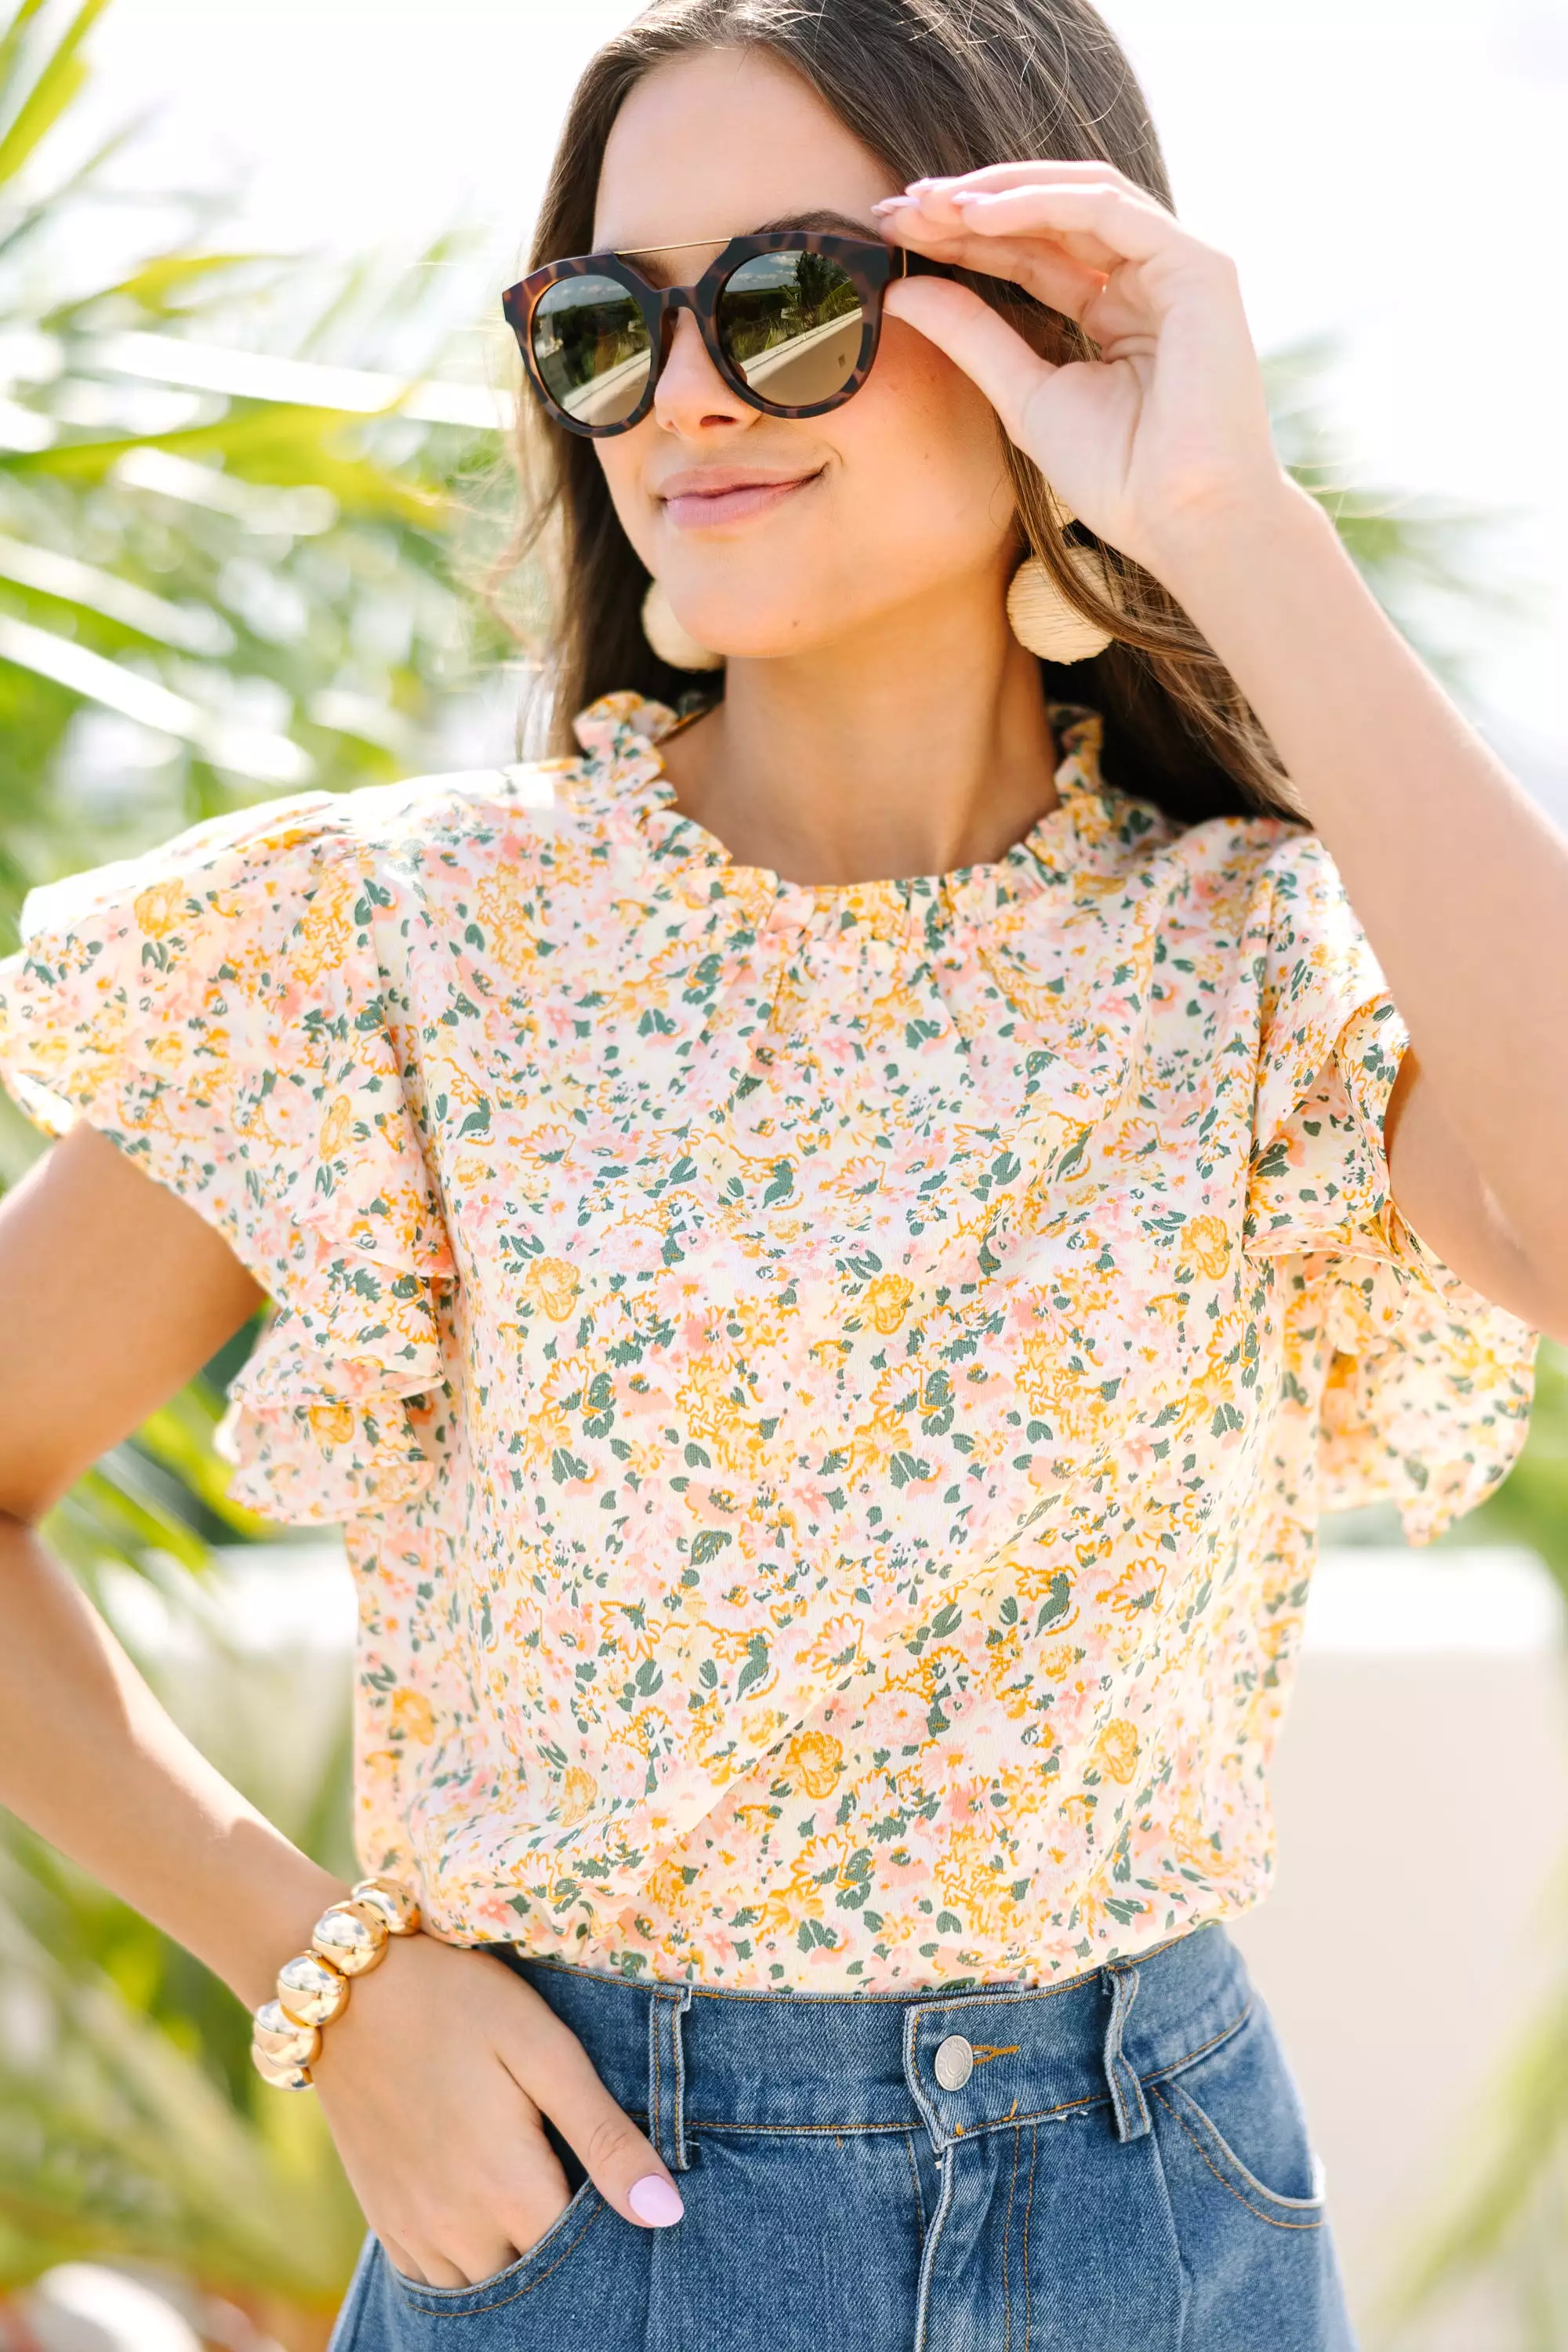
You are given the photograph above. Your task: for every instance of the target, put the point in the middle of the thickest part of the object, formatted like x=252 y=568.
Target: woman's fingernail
x=655 y=2201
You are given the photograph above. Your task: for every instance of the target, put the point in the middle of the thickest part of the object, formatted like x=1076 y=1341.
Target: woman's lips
x=690 y=508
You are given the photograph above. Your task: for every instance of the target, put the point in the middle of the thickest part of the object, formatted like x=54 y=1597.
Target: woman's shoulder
x=1215 y=869
x=1244 y=875
x=1271 y=886
x=278 y=849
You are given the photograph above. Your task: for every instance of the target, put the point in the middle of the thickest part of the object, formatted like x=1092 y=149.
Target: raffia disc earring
x=1044 y=622
x=670 y=641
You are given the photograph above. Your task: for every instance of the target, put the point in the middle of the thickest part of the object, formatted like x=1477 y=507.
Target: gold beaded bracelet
x=348 y=1940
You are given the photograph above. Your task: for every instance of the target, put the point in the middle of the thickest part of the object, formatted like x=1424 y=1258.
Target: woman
x=827 y=1255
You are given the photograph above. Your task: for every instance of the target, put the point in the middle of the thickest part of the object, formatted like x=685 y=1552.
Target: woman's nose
x=692 y=397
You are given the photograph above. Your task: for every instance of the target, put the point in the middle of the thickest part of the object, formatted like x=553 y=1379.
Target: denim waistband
x=685 y=2057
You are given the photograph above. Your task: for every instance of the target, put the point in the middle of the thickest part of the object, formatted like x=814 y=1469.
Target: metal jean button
x=954 y=2062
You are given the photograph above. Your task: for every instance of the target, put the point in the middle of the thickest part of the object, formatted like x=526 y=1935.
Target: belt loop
x=667 y=2074
x=1126 y=2102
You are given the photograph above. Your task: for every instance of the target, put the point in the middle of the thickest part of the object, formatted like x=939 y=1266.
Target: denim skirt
x=1114 y=2164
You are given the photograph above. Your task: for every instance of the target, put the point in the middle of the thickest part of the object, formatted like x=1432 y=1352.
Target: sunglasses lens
x=592 y=349
x=790 y=324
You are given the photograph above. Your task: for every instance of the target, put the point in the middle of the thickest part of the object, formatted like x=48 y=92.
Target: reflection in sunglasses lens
x=592 y=349
x=790 y=324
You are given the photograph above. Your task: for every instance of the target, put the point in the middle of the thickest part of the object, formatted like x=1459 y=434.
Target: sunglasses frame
x=870 y=266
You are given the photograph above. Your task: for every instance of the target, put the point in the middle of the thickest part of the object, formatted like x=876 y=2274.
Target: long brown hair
x=928 y=86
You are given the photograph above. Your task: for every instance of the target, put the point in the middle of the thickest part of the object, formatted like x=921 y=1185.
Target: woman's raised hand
x=1166 y=434
x=436 y=2081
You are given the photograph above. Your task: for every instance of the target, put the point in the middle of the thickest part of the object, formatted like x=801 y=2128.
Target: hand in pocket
x=436 y=2083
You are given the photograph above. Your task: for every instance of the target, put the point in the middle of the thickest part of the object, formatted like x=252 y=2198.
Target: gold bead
x=310 y=1992
x=275 y=2037
x=391 y=1899
x=281 y=2078
x=352 y=1936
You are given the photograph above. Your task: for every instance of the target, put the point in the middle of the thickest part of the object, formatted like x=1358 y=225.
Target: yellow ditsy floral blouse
x=829 y=1391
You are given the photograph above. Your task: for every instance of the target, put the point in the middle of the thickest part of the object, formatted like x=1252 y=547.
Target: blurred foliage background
x=209 y=594
x=222 y=578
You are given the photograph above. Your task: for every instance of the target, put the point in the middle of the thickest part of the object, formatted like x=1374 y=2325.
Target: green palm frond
x=115 y=2142
x=272 y=445
x=231 y=582
x=60 y=76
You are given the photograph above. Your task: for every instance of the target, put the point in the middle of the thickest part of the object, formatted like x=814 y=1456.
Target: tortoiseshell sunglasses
x=791 y=317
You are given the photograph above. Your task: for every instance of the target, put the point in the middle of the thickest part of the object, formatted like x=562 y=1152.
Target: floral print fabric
x=829 y=1390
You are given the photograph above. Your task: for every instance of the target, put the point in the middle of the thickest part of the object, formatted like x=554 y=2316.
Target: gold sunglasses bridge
x=687 y=245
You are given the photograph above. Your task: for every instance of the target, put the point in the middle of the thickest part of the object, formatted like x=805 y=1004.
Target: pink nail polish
x=655 y=2201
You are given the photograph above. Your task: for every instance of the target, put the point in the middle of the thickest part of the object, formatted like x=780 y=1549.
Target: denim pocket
x=1246 y=2200
x=529 y=2271
x=1216 y=2153
x=1236 y=2110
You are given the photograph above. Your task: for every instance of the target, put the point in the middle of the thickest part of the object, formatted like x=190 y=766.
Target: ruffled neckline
x=620 y=736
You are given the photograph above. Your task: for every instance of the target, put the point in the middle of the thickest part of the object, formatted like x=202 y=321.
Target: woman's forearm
x=90 y=1759
x=1461 y=880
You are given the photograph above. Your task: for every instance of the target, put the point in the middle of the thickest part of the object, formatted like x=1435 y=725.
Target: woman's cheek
x=621 y=462
x=923 y=438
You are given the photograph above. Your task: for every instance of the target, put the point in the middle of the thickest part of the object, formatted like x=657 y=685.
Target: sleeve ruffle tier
x=1428 y=1390
x=218 y=1010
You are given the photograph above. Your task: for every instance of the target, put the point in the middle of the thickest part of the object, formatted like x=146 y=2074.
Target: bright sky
x=1385 y=170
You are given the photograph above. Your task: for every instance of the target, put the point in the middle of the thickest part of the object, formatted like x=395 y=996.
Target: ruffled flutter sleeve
x=218 y=1011
x=1428 y=1384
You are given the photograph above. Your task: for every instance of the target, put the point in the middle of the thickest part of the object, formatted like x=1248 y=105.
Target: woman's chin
x=759 y=643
